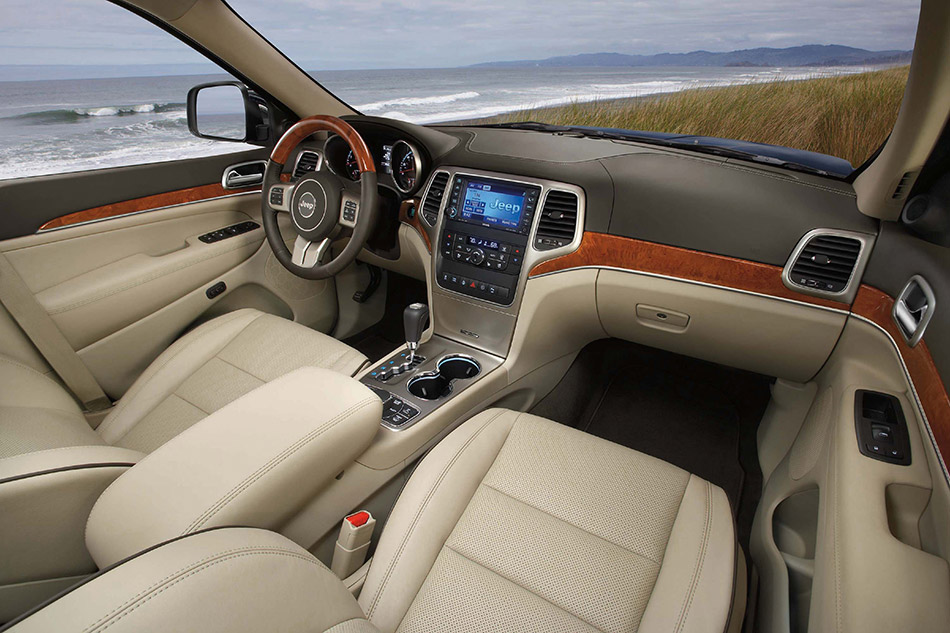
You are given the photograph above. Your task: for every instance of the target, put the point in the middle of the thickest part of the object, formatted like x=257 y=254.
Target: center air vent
x=825 y=262
x=558 y=221
x=433 y=199
x=306 y=162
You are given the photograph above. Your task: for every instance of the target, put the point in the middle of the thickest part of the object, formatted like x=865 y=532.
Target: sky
x=345 y=34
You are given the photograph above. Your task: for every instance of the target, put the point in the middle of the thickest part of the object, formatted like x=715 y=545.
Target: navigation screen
x=494 y=204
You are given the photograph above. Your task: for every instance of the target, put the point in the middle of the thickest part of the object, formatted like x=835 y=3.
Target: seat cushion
x=213 y=365
x=36 y=413
x=514 y=522
x=234 y=580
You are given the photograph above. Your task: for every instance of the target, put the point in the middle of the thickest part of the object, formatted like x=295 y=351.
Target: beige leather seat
x=204 y=370
x=53 y=465
x=512 y=523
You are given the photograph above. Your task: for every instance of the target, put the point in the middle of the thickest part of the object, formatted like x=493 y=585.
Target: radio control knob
x=452 y=212
x=476 y=257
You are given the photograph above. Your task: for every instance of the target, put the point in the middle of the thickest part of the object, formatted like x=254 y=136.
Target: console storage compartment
x=254 y=462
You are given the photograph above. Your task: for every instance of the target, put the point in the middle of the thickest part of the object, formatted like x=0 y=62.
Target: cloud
x=424 y=33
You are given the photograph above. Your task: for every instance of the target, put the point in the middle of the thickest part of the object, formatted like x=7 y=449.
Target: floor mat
x=697 y=415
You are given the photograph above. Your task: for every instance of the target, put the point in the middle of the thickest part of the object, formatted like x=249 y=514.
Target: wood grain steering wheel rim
x=305 y=261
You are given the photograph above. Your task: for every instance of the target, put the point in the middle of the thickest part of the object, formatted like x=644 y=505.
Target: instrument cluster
x=399 y=162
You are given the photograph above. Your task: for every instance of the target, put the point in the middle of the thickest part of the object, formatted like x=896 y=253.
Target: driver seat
x=54 y=465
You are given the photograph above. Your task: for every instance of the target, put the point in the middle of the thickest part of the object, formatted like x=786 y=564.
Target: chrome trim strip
x=126 y=215
x=532 y=256
x=913 y=389
x=698 y=283
x=417 y=162
x=851 y=287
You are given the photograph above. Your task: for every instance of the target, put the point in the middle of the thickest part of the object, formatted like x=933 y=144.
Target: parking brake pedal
x=351 y=547
x=375 y=276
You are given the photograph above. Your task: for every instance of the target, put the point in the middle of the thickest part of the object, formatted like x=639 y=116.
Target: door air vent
x=306 y=162
x=826 y=262
x=558 y=222
x=433 y=199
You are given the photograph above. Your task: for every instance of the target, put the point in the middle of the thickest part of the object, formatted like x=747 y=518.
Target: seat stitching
x=241 y=369
x=554 y=516
x=15 y=363
x=516 y=584
x=151 y=371
x=701 y=557
x=422 y=507
x=152 y=587
x=147 y=595
x=273 y=463
x=186 y=401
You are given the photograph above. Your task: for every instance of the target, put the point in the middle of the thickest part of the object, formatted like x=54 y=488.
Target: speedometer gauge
x=407 y=166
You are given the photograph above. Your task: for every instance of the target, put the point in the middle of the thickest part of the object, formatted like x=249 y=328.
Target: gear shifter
x=415 y=319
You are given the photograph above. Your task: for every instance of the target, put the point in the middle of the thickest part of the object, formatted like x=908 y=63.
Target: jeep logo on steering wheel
x=306 y=204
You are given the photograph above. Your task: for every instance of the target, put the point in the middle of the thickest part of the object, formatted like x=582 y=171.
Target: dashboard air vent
x=433 y=200
x=826 y=263
x=558 y=221
x=306 y=161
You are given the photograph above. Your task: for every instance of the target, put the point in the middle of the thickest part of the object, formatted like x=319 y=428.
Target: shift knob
x=415 y=319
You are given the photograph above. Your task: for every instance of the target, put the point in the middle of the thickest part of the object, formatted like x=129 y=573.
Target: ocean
x=57 y=126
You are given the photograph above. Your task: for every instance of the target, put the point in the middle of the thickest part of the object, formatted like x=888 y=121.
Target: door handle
x=244 y=175
x=913 y=309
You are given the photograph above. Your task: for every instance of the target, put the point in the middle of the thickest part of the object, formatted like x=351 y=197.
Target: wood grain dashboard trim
x=147 y=203
x=415 y=220
x=875 y=306
x=601 y=249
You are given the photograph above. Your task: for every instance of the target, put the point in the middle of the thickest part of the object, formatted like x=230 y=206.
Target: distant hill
x=809 y=55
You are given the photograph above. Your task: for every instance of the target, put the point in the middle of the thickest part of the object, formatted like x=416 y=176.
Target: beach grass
x=848 y=116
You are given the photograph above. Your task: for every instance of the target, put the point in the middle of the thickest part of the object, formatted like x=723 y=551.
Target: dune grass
x=847 y=116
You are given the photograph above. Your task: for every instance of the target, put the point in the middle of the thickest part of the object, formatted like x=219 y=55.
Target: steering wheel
x=319 y=204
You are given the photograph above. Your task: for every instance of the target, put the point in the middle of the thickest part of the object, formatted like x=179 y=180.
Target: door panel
x=30 y=203
x=873 y=554
x=123 y=289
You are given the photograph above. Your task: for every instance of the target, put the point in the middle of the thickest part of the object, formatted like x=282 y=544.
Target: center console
x=484 y=236
x=487 y=233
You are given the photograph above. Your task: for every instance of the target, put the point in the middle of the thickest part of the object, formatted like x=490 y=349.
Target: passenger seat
x=511 y=523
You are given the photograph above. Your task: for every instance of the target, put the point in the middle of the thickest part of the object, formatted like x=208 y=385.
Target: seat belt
x=48 y=339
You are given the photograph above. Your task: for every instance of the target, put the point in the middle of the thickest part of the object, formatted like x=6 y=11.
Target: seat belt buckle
x=352 y=545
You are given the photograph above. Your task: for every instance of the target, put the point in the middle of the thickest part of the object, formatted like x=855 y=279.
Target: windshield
x=825 y=77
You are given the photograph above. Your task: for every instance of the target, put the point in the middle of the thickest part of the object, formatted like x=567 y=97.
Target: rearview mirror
x=227 y=111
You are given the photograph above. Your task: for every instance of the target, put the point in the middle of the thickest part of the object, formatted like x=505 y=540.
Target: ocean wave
x=417 y=101
x=73 y=115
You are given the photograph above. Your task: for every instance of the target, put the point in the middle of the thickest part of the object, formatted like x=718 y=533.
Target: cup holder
x=438 y=384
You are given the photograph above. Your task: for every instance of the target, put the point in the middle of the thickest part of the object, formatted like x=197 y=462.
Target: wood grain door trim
x=147 y=203
x=613 y=251
x=875 y=306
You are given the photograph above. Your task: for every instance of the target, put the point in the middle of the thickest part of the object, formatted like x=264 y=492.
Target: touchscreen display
x=493 y=204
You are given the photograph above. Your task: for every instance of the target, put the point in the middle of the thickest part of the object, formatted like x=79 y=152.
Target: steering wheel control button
x=350 y=209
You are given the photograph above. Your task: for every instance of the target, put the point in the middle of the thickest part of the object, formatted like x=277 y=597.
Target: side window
x=90 y=85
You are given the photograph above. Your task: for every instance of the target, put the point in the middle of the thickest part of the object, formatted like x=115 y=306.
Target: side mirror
x=227 y=111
